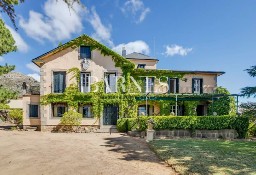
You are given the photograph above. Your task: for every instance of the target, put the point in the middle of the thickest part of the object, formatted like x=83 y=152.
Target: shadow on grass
x=131 y=149
x=190 y=156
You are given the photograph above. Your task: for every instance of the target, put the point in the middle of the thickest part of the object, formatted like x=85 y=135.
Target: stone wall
x=212 y=134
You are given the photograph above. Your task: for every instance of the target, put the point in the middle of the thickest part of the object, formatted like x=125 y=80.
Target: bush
x=251 y=130
x=122 y=125
x=240 y=124
x=69 y=120
x=16 y=115
x=4 y=106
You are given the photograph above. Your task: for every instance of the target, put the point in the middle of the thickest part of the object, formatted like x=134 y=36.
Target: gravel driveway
x=72 y=153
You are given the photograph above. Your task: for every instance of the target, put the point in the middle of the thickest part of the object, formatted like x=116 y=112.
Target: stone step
x=107 y=130
x=30 y=128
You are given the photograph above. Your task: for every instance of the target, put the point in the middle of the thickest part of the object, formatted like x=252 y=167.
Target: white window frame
x=85 y=74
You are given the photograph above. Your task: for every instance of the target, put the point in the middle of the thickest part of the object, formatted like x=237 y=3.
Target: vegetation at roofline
x=85 y=40
x=240 y=124
x=156 y=73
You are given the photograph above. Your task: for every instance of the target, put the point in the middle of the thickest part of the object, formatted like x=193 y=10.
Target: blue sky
x=184 y=35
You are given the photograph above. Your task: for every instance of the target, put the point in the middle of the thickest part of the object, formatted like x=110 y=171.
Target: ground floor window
x=33 y=111
x=173 y=109
x=142 y=110
x=86 y=111
x=59 y=109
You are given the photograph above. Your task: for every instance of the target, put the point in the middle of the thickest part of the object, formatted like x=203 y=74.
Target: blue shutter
x=193 y=84
x=177 y=85
x=201 y=86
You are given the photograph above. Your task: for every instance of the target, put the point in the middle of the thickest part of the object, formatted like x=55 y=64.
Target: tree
x=223 y=105
x=7 y=43
x=249 y=109
x=250 y=91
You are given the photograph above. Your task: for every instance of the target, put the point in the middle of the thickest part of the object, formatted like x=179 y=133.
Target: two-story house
x=100 y=100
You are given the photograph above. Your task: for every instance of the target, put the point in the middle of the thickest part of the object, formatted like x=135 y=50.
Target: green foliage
x=251 y=130
x=122 y=125
x=16 y=115
x=71 y=118
x=6 y=95
x=156 y=73
x=7 y=43
x=240 y=124
x=224 y=105
x=250 y=91
x=190 y=108
x=4 y=106
x=6 y=69
x=249 y=109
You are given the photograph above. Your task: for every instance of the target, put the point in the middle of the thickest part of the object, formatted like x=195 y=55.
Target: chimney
x=123 y=52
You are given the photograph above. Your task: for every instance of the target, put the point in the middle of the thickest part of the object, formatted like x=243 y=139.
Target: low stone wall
x=213 y=134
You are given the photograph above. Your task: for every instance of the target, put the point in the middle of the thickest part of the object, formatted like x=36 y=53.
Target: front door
x=110 y=114
x=200 y=110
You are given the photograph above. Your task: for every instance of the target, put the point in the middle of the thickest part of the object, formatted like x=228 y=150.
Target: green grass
x=192 y=156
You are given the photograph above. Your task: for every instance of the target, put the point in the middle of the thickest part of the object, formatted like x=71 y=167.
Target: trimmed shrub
x=71 y=118
x=16 y=115
x=240 y=124
x=122 y=125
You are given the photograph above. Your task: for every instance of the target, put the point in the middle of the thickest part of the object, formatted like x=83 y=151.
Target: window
x=110 y=82
x=59 y=82
x=85 y=52
x=173 y=109
x=142 y=110
x=85 y=82
x=174 y=85
x=59 y=109
x=197 y=85
x=142 y=66
x=33 y=111
x=149 y=84
x=86 y=111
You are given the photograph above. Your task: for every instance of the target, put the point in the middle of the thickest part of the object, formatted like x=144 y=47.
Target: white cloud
x=57 y=23
x=136 y=8
x=19 y=42
x=176 y=50
x=136 y=46
x=35 y=76
x=102 y=32
x=1 y=59
x=33 y=67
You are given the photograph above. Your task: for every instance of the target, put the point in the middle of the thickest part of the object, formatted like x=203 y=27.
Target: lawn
x=194 y=156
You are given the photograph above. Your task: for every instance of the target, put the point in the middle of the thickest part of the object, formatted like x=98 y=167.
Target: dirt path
x=93 y=153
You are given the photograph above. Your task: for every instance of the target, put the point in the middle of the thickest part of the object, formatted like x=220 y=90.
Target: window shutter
x=201 y=86
x=193 y=85
x=177 y=85
x=79 y=52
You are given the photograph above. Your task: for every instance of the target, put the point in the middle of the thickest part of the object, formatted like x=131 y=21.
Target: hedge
x=240 y=124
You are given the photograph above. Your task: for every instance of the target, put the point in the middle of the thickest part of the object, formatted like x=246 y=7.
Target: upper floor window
x=59 y=82
x=197 y=85
x=149 y=84
x=85 y=82
x=33 y=111
x=85 y=52
x=174 y=85
x=142 y=66
x=110 y=82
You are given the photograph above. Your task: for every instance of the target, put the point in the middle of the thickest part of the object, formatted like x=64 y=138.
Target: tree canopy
x=7 y=43
x=250 y=91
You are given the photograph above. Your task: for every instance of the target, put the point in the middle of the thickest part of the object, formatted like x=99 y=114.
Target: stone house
x=158 y=92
